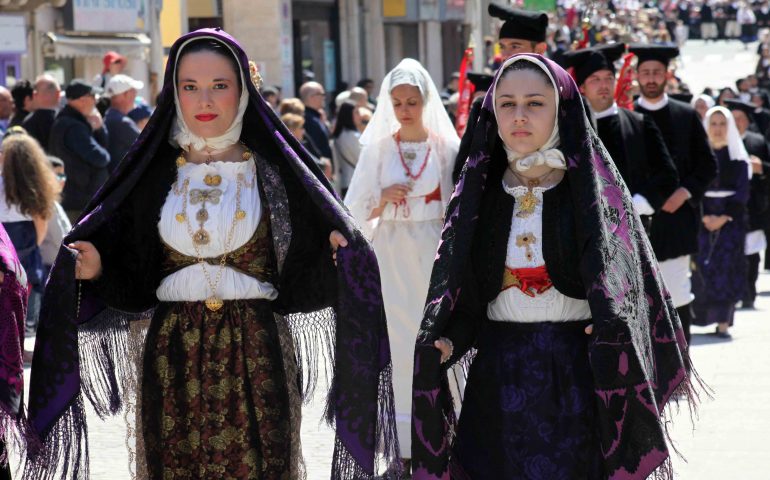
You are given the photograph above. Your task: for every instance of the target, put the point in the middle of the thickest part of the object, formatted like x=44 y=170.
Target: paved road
x=731 y=437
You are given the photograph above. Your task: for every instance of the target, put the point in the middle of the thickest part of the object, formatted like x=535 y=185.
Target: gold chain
x=213 y=302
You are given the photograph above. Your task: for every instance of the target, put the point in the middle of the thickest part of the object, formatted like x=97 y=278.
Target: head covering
x=121 y=83
x=302 y=204
x=520 y=24
x=110 y=58
x=434 y=117
x=735 y=146
x=685 y=97
x=13 y=309
x=184 y=138
x=660 y=53
x=735 y=104
x=78 y=88
x=547 y=154
x=481 y=81
x=708 y=99
x=637 y=350
x=588 y=61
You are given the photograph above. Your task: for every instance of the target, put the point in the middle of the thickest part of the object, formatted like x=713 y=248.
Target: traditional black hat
x=521 y=24
x=481 y=81
x=747 y=108
x=590 y=60
x=682 y=96
x=661 y=53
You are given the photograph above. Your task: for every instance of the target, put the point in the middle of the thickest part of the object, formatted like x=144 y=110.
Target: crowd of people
x=508 y=248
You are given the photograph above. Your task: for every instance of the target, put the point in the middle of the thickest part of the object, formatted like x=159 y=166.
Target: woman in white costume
x=398 y=194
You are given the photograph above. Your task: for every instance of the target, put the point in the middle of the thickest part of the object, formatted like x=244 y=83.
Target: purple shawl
x=637 y=348
x=13 y=309
x=68 y=366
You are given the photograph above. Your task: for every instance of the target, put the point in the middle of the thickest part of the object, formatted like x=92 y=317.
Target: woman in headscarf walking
x=545 y=271
x=398 y=193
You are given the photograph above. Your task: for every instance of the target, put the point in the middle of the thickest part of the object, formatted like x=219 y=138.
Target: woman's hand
x=445 y=346
x=337 y=240
x=676 y=200
x=88 y=263
x=715 y=222
x=589 y=329
x=394 y=193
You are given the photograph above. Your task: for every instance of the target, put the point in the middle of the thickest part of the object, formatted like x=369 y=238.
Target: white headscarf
x=182 y=136
x=707 y=99
x=548 y=154
x=434 y=117
x=735 y=146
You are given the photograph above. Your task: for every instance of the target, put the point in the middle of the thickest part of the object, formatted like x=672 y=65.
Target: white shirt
x=648 y=105
x=512 y=305
x=189 y=284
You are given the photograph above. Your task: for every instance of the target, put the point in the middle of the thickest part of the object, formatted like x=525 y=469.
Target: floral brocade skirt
x=217 y=401
x=529 y=410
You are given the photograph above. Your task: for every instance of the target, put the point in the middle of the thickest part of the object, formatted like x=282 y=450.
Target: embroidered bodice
x=424 y=201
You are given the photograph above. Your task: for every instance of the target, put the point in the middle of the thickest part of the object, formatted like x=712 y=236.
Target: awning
x=59 y=45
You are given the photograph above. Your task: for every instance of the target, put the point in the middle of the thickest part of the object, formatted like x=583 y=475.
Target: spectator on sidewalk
x=22 y=102
x=46 y=103
x=141 y=115
x=346 y=144
x=121 y=90
x=313 y=96
x=79 y=138
x=296 y=125
x=708 y=27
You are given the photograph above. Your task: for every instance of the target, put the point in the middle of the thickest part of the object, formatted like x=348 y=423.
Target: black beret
x=588 y=61
x=735 y=104
x=521 y=24
x=661 y=53
x=481 y=81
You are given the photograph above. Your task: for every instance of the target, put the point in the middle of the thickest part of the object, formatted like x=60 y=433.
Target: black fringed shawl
x=636 y=350
x=89 y=355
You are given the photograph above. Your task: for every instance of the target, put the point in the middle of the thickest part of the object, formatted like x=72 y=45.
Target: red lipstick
x=206 y=117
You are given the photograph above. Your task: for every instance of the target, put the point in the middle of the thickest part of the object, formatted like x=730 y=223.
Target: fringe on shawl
x=344 y=466
x=314 y=345
x=108 y=373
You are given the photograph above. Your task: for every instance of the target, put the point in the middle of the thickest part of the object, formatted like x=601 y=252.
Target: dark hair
x=19 y=92
x=210 y=45
x=55 y=162
x=268 y=91
x=364 y=82
x=526 y=65
x=345 y=118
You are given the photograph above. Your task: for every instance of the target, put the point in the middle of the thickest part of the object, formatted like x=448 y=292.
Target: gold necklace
x=213 y=302
x=529 y=201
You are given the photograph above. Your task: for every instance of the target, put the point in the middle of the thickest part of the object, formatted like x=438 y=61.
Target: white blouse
x=416 y=209
x=512 y=305
x=189 y=284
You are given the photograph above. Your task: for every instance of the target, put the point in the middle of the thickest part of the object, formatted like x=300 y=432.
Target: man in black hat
x=522 y=31
x=674 y=230
x=79 y=138
x=632 y=139
x=759 y=199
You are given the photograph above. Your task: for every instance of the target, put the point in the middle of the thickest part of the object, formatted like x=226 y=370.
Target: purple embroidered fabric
x=637 y=349
x=65 y=368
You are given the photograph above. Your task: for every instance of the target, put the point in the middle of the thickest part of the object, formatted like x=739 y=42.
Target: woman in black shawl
x=545 y=273
x=216 y=225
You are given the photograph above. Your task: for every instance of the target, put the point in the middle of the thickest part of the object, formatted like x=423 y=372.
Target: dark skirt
x=719 y=277
x=216 y=402
x=529 y=409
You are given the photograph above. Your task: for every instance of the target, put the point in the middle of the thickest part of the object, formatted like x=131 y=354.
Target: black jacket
x=318 y=132
x=675 y=234
x=38 y=124
x=639 y=151
x=123 y=132
x=85 y=156
x=759 y=201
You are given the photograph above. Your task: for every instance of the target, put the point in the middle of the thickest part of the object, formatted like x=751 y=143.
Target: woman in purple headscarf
x=13 y=309
x=545 y=274
x=217 y=226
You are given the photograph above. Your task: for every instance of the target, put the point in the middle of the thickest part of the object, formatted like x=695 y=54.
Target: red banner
x=625 y=81
x=465 y=90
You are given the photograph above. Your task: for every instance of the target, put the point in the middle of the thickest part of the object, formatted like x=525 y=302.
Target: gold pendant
x=410 y=155
x=240 y=215
x=528 y=203
x=202 y=215
x=246 y=155
x=180 y=161
x=213 y=303
x=201 y=237
x=181 y=217
x=212 y=180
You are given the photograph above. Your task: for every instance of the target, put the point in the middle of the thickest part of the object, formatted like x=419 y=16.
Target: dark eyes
x=192 y=88
x=532 y=103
